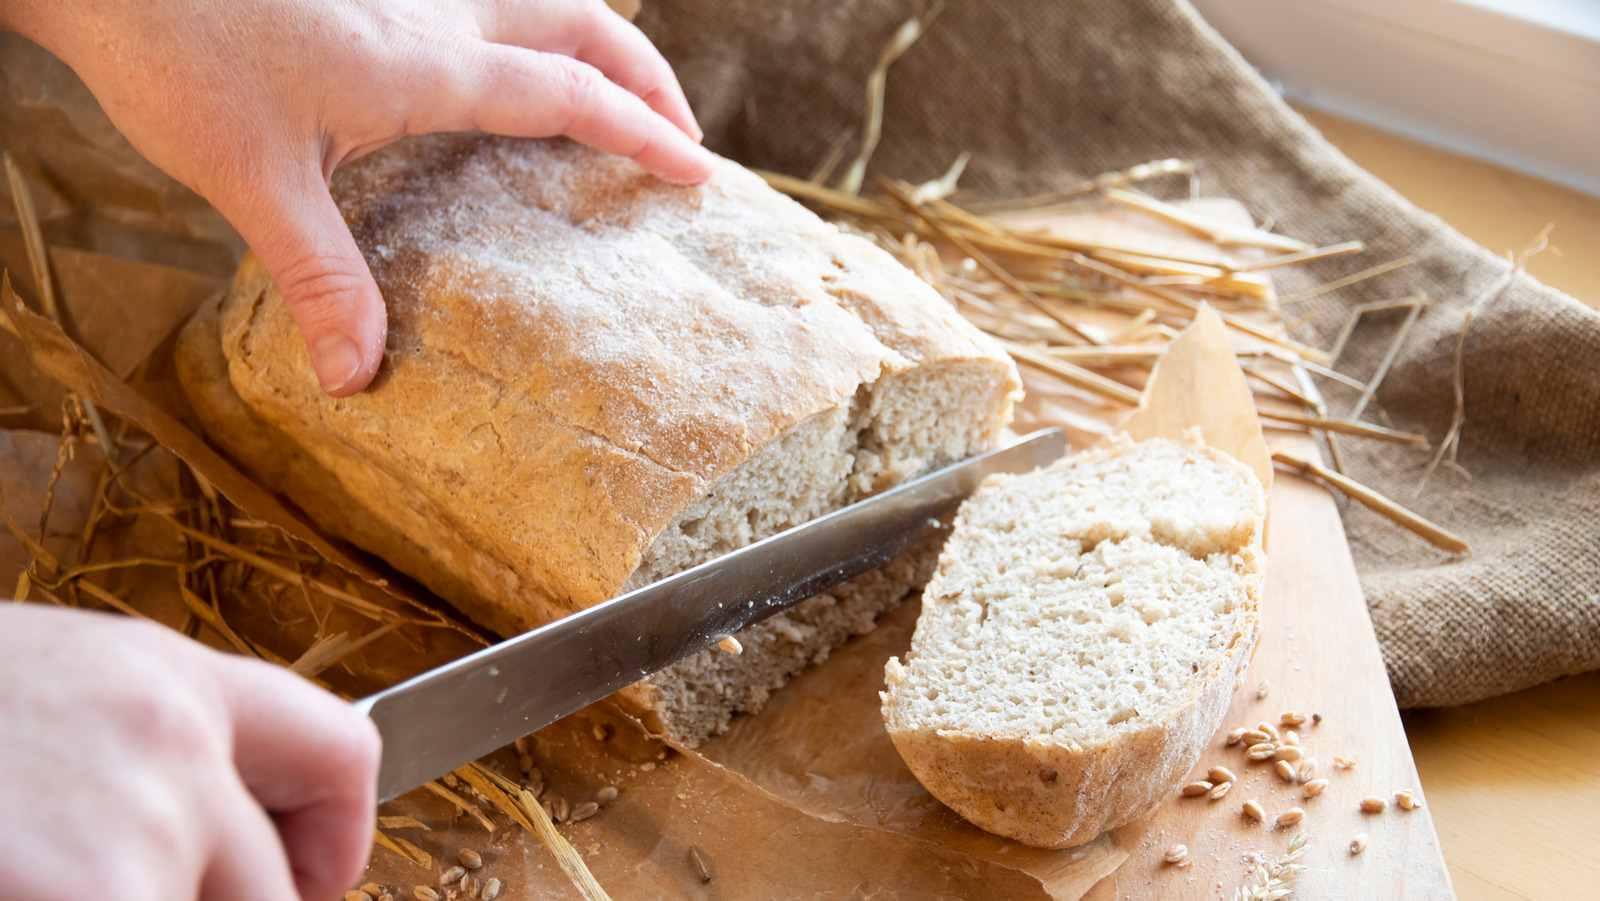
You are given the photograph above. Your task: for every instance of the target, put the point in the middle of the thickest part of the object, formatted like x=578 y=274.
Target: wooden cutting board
x=1317 y=654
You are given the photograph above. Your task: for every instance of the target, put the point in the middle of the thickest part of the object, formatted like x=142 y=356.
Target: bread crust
x=1052 y=795
x=577 y=352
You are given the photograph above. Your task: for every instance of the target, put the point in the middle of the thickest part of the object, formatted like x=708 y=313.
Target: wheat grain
x=1195 y=789
x=1313 y=788
x=1220 y=774
x=1374 y=804
x=1263 y=751
x=1307 y=770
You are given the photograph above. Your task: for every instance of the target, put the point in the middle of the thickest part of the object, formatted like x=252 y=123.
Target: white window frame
x=1514 y=82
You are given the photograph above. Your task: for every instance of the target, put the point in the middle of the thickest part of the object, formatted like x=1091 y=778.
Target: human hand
x=254 y=103
x=137 y=764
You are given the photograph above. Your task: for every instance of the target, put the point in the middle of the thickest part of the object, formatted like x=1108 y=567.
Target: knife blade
x=459 y=712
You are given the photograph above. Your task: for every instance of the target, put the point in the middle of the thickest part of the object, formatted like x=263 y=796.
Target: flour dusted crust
x=593 y=377
x=1062 y=787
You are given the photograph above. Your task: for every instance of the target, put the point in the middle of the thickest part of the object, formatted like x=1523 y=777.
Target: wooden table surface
x=1514 y=782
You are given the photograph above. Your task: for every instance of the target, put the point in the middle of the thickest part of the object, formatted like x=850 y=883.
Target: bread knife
x=459 y=712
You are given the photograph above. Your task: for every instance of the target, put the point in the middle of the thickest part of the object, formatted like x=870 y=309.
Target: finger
x=623 y=54
x=248 y=861
x=525 y=93
x=593 y=33
x=312 y=761
x=296 y=230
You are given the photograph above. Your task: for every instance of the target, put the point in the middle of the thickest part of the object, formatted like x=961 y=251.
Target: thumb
x=301 y=239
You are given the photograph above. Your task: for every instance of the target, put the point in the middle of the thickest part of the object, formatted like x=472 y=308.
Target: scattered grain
x=1289 y=817
x=356 y=894
x=731 y=645
x=1261 y=689
x=584 y=811
x=453 y=874
x=1344 y=763
x=372 y=888
x=1252 y=810
x=1220 y=774
x=524 y=745
x=1291 y=737
x=424 y=893
x=1406 y=800
x=605 y=796
x=469 y=885
x=1289 y=752
x=1316 y=719
x=603 y=731
x=560 y=809
x=1358 y=844
x=525 y=763
x=1285 y=770
x=1307 y=771
x=1195 y=789
x=385 y=897
x=1263 y=751
x=1315 y=787
x=471 y=859
x=1254 y=737
x=1292 y=719
x=1373 y=804
x=1235 y=737
x=1221 y=789
x=1177 y=854
x=702 y=864
x=1269 y=729
x=450 y=780
x=491 y=890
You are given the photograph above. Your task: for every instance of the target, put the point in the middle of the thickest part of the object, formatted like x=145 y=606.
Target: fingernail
x=336 y=361
x=698 y=134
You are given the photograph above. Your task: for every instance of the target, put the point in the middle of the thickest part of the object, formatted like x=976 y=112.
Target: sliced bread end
x=1081 y=639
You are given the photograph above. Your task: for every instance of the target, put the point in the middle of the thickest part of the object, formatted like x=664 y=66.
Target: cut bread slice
x=1080 y=640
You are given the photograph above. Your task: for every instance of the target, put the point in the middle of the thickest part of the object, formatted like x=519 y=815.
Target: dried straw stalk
x=1435 y=534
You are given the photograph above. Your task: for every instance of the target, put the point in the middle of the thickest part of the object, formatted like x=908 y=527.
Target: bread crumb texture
x=1081 y=637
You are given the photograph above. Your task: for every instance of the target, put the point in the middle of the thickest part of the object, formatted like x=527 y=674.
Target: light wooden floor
x=1514 y=782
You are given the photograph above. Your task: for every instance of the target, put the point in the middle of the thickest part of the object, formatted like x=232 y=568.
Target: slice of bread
x=1079 y=644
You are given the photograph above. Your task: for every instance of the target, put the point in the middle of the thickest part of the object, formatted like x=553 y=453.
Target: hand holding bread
x=254 y=103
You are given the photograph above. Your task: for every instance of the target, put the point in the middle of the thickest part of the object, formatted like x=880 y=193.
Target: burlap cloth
x=1045 y=93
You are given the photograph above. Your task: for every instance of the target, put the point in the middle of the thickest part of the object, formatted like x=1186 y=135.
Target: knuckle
x=576 y=86
x=318 y=289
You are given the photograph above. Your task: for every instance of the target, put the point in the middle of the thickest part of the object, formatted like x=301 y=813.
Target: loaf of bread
x=594 y=379
x=1081 y=639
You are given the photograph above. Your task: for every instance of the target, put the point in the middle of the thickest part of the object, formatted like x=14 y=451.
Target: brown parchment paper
x=807 y=799
x=1198 y=384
